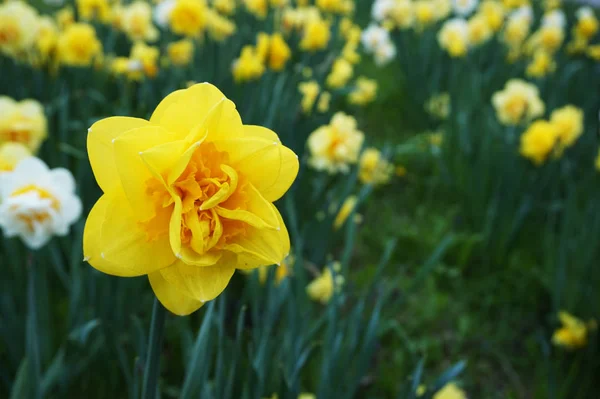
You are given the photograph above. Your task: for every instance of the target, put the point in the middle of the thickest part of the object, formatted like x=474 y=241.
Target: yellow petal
x=268 y=165
x=100 y=147
x=261 y=133
x=183 y=110
x=115 y=244
x=175 y=227
x=259 y=212
x=190 y=257
x=162 y=158
x=200 y=283
x=171 y=298
x=260 y=247
x=132 y=169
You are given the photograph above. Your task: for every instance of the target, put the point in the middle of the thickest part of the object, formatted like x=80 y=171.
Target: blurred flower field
x=299 y=199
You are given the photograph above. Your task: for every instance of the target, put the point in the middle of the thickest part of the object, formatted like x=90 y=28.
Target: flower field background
x=434 y=164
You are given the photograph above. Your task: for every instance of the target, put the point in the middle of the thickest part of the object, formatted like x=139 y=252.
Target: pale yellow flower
x=518 y=102
x=22 y=122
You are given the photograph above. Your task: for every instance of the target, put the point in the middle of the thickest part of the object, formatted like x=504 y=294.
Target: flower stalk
x=152 y=368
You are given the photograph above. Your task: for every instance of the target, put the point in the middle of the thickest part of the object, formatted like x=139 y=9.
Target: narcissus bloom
x=573 y=333
x=22 y=122
x=373 y=168
x=587 y=23
x=316 y=35
x=454 y=37
x=450 y=391
x=78 y=45
x=16 y=21
x=322 y=288
x=188 y=17
x=11 y=154
x=94 y=10
x=345 y=210
x=187 y=197
x=519 y=102
x=568 y=122
x=364 y=92
x=341 y=72
x=181 y=52
x=37 y=203
x=136 y=21
x=538 y=141
x=310 y=91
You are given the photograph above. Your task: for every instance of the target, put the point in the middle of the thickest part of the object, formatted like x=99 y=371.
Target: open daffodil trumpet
x=188 y=197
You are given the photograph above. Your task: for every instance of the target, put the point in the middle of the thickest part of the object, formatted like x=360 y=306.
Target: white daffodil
x=37 y=203
x=464 y=7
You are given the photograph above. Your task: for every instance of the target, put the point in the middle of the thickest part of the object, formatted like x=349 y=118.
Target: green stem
x=152 y=368
x=33 y=348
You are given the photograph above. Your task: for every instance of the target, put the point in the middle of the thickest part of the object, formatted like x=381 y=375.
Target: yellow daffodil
x=310 y=91
x=334 y=147
x=519 y=102
x=46 y=38
x=11 y=153
x=373 y=168
x=573 y=333
x=249 y=66
x=587 y=23
x=17 y=27
x=541 y=65
x=480 y=30
x=568 y=122
x=219 y=27
x=258 y=8
x=316 y=35
x=225 y=7
x=324 y=101
x=181 y=52
x=147 y=58
x=279 y=52
x=136 y=22
x=22 y=122
x=494 y=13
x=78 y=45
x=65 y=17
x=341 y=72
x=345 y=210
x=538 y=141
x=187 y=197
x=90 y=10
x=322 y=288
x=454 y=37
x=450 y=391
x=364 y=92
x=424 y=11
x=188 y=17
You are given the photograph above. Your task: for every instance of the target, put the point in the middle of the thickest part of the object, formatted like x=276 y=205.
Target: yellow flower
x=550 y=38
x=424 y=12
x=279 y=52
x=450 y=391
x=22 y=122
x=538 y=141
x=493 y=11
x=439 y=105
x=306 y=395
x=594 y=52
x=78 y=45
x=519 y=102
x=219 y=28
x=17 y=23
x=187 y=197
x=65 y=17
x=336 y=146
x=136 y=22
x=541 y=65
x=249 y=66
x=364 y=92
x=46 y=37
x=316 y=35
x=332 y=6
x=568 y=122
x=573 y=334
x=11 y=153
x=310 y=91
x=517 y=29
x=341 y=72
x=321 y=289
x=188 y=17
x=324 y=100
x=225 y=7
x=454 y=37
x=403 y=13
x=181 y=52
x=515 y=3
x=258 y=8
x=436 y=139
x=479 y=29
x=147 y=57
x=373 y=169
x=281 y=271
x=94 y=10
x=350 y=52
x=587 y=23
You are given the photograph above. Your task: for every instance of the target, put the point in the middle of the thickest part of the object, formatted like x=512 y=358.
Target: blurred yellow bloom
x=341 y=72
x=364 y=91
x=594 y=52
x=450 y=391
x=332 y=6
x=568 y=122
x=305 y=395
x=147 y=57
x=316 y=35
x=22 y=122
x=336 y=146
x=321 y=289
x=90 y=10
x=402 y=13
x=493 y=11
x=439 y=105
x=65 y=17
x=225 y=7
x=188 y=17
x=350 y=52
x=424 y=12
x=219 y=27
x=480 y=30
x=515 y=3
x=324 y=101
x=46 y=38
x=541 y=65
x=517 y=29
x=17 y=23
x=587 y=23
x=279 y=52
x=181 y=52
x=136 y=22
x=519 y=102
x=549 y=38
x=282 y=270
x=310 y=91
x=162 y=216
x=11 y=153
x=538 y=141
x=373 y=168
x=454 y=37
x=573 y=333
x=258 y=8
x=436 y=139
x=78 y=45
x=249 y=66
